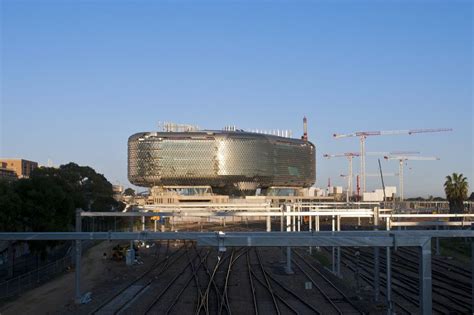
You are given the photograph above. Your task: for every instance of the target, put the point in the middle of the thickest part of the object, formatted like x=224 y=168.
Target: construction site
x=230 y=222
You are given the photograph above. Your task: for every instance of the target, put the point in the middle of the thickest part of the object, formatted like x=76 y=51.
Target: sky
x=79 y=77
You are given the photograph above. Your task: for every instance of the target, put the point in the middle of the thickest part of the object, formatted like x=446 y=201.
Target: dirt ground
x=99 y=276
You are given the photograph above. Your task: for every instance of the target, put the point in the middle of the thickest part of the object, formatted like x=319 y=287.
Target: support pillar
x=132 y=250
x=78 y=295
x=389 y=281
x=316 y=225
x=472 y=272
x=269 y=224
x=310 y=228
x=299 y=223
x=376 y=274
x=282 y=209
x=154 y=225
x=437 y=251
x=288 y=269
x=310 y=221
x=143 y=223
x=288 y=219
x=389 y=273
x=425 y=278
x=376 y=259
x=333 y=249
x=338 y=250
x=293 y=218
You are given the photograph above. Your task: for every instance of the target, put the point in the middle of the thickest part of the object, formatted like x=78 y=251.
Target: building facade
x=5 y=173
x=224 y=160
x=21 y=167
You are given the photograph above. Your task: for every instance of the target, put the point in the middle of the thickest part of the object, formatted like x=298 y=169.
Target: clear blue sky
x=79 y=77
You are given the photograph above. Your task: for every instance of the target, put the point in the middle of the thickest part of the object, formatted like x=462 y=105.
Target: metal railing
x=34 y=278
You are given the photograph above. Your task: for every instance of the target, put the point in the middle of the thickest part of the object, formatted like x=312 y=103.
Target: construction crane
x=364 y=134
x=351 y=155
x=401 y=159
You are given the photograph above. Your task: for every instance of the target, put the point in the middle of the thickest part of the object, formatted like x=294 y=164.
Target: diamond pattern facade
x=219 y=159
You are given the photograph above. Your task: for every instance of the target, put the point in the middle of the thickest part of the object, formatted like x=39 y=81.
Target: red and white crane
x=364 y=134
x=401 y=159
x=351 y=155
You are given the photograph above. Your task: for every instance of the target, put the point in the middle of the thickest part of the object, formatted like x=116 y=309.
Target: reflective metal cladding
x=220 y=159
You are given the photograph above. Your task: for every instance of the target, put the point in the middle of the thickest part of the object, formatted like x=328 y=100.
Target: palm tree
x=456 y=188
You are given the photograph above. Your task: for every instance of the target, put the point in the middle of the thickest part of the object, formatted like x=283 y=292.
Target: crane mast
x=401 y=160
x=350 y=156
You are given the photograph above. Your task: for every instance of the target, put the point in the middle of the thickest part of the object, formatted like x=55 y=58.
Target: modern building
x=21 y=167
x=6 y=173
x=228 y=161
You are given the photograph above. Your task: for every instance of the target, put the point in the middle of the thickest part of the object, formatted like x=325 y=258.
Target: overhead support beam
x=366 y=213
x=346 y=238
x=324 y=238
x=472 y=273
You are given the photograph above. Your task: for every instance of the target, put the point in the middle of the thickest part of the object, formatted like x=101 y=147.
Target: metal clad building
x=220 y=159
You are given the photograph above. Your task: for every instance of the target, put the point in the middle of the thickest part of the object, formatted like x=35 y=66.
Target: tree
x=47 y=200
x=456 y=187
x=90 y=191
x=129 y=192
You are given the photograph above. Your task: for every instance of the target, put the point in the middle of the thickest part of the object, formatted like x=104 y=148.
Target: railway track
x=211 y=295
x=189 y=280
x=268 y=291
x=334 y=296
x=450 y=291
x=169 y=291
x=121 y=299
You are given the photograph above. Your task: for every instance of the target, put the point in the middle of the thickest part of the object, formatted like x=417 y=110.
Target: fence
x=32 y=279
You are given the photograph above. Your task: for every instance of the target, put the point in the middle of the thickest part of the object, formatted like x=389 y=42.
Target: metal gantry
x=390 y=239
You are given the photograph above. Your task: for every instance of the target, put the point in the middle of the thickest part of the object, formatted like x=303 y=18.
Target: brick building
x=6 y=173
x=21 y=167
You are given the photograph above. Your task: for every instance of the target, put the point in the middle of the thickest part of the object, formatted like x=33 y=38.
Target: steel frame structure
x=392 y=239
x=388 y=239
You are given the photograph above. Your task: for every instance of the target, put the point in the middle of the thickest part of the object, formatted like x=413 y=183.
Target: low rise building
x=21 y=167
x=117 y=192
x=378 y=195
x=5 y=173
